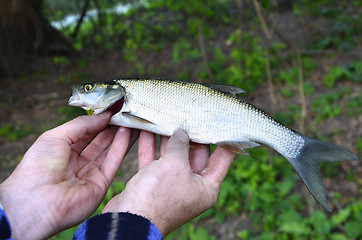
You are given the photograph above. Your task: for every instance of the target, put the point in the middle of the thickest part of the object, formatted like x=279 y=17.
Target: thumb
x=177 y=147
x=78 y=128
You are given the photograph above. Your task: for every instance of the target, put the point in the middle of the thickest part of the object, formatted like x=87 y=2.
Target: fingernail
x=103 y=114
x=182 y=136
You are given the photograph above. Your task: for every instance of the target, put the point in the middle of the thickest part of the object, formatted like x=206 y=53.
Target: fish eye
x=88 y=87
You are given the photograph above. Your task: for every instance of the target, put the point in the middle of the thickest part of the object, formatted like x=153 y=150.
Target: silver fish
x=210 y=114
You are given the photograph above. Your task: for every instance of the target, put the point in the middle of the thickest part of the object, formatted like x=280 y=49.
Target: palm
x=64 y=176
x=82 y=182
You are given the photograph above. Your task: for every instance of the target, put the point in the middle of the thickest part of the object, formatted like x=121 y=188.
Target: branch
x=84 y=12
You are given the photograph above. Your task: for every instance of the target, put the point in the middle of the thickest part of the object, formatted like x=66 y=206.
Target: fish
x=209 y=114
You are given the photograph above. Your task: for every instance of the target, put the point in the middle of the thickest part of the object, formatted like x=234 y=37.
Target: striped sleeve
x=5 y=231
x=114 y=226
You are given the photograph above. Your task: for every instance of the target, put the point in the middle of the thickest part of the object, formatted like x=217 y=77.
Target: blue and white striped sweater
x=108 y=226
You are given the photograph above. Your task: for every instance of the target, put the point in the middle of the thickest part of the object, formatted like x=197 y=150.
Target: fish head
x=98 y=97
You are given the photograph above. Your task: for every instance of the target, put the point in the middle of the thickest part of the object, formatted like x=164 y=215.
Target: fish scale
x=210 y=114
x=226 y=119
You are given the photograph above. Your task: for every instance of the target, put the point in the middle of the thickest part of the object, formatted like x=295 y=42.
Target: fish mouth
x=116 y=106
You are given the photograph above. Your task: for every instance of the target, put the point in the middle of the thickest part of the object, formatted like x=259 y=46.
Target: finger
x=199 y=153
x=116 y=153
x=177 y=147
x=99 y=144
x=78 y=128
x=218 y=165
x=135 y=133
x=78 y=147
x=163 y=143
x=146 y=149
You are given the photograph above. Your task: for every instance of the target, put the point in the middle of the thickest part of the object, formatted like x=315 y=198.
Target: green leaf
x=320 y=222
x=338 y=236
x=335 y=73
x=287 y=92
x=6 y=129
x=341 y=216
x=267 y=236
x=243 y=234
x=286 y=186
x=308 y=88
x=353 y=229
x=295 y=228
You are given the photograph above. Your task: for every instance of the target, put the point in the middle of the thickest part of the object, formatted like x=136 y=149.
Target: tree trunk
x=25 y=32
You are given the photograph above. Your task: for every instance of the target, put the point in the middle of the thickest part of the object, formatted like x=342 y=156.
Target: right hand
x=179 y=186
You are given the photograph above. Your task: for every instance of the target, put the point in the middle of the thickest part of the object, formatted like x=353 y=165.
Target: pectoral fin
x=141 y=120
x=238 y=147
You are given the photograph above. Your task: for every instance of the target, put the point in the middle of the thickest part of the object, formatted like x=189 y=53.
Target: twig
x=330 y=51
x=269 y=79
x=8 y=70
x=275 y=29
x=259 y=9
x=269 y=37
x=262 y=21
x=303 y=103
x=239 y=6
x=203 y=51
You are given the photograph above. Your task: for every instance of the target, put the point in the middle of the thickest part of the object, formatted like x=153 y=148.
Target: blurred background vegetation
x=301 y=61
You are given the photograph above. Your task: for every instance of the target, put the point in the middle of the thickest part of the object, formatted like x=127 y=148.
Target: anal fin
x=238 y=147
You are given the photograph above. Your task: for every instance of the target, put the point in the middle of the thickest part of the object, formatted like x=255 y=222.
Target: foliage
x=262 y=186
x=243 y=68
x=341 y=34
x=13 y=133
x=190 y=232
x=354 y=104
x=248 y=67
x=351 y=71
x=326 y=106
x=57 y=10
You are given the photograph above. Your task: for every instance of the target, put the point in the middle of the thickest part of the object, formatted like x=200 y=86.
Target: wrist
x=140 y=209
x=24 y=221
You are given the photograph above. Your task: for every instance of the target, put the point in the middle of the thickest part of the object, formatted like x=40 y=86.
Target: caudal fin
x=307 y=165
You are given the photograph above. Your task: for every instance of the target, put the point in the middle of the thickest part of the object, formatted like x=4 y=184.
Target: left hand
x=64 y=176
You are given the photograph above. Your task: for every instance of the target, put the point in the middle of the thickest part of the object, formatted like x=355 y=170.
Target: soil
x=38 y=102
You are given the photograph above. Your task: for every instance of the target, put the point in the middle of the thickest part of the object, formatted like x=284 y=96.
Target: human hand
x=64 y=176
x=182 y=184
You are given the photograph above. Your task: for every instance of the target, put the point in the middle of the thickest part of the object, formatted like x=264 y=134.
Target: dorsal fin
x=230 y=90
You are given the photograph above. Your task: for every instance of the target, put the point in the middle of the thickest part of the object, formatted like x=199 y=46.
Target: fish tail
x=307 y=165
